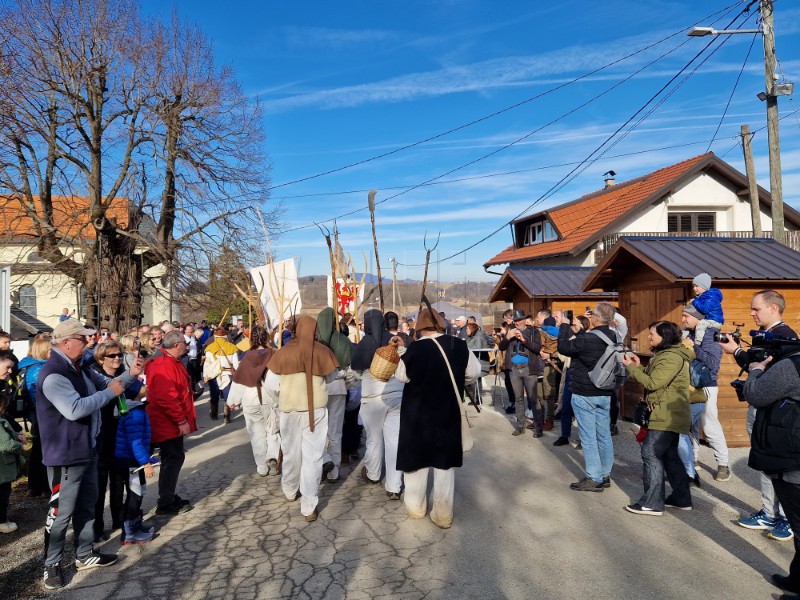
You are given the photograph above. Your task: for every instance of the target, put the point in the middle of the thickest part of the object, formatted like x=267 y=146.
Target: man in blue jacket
x=68 y=409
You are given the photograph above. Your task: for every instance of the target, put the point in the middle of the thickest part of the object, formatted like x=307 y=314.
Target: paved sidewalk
x=519 y=532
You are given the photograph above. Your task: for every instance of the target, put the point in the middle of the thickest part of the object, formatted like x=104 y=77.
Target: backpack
x=609 y=373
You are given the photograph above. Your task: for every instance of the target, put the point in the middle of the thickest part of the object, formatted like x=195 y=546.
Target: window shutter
x=672 y=223
x=706 y=222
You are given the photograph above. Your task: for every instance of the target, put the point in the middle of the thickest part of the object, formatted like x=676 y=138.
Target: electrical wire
x=713 y=15
x=603 y=144
x=733 y=91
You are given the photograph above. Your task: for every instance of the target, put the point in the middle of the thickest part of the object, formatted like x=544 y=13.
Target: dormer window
x=538 y=232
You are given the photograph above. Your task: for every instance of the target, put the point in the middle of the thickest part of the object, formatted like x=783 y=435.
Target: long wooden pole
x=773 y=139
x=752 y=184
x=371 y=197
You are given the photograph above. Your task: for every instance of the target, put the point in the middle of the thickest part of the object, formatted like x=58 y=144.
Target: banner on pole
x=349 y=293
x=278 y=290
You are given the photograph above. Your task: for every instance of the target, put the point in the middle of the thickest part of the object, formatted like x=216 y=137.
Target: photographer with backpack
x=595 y=371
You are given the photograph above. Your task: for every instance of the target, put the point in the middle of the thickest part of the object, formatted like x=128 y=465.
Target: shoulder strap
x=602 y=336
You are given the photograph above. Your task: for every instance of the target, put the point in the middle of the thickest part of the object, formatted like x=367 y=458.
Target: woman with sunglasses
x=108 y=363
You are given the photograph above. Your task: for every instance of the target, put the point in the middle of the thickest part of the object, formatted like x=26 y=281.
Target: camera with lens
x=723 y=338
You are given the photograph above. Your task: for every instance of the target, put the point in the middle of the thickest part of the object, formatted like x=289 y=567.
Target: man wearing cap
x=522 y=346
x=461 y=327
x=68 y=410
x=710 y=354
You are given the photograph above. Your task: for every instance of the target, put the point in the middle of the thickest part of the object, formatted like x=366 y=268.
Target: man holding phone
x=522 y=346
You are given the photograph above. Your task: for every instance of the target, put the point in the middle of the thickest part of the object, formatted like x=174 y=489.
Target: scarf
x=329 y=336
x=252 y=367
x=375 y=336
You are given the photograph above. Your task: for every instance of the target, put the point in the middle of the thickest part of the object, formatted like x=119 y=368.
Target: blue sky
x=345 y=82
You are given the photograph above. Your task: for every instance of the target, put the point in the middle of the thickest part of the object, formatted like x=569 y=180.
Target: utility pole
x=755 y=205
x=394 y=284
x=773 y=140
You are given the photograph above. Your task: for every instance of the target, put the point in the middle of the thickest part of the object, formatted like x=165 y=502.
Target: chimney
x=609 y=178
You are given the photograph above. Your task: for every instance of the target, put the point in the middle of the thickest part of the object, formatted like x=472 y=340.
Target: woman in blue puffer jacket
x=30 y=367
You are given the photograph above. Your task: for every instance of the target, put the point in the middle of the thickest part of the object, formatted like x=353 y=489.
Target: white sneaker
x=8 y=527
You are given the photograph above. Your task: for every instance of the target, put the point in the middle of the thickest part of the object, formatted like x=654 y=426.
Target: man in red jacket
x=170 y=407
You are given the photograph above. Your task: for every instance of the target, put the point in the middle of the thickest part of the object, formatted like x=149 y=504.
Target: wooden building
x=559 y=288
x=653 y=276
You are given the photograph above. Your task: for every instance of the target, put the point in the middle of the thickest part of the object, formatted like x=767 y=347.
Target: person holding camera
x=774 y=394
x=522 y=346
x=766 y=309
x=590 y=404
x=704 y=399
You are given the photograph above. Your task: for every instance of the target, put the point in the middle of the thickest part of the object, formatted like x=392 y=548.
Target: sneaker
x=180 y=501
x=758 y=520
x=510 y=410
x=95 y=559
x=670 y=504
x=723 y=473
x=638 y=509
x=782 y=531
x=53 y=577
x=587 y=485
x=537 y=433
x=175 y=508
x=562 y=441
x=606 y=482
x=8 y=527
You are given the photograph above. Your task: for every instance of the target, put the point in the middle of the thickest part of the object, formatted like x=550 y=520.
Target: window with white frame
x=538 y=232
x=27 y=299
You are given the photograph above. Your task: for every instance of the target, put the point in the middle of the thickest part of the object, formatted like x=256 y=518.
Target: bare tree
x=154 y=146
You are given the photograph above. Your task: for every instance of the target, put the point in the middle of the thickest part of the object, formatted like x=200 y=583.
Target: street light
x=703 y=31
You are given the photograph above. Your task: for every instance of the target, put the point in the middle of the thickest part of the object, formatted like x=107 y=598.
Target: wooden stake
x=371 y=198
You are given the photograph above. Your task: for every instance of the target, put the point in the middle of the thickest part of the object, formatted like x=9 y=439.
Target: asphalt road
x=519 y=532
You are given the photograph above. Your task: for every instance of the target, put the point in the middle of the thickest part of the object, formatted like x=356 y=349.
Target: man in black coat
x=590 y=404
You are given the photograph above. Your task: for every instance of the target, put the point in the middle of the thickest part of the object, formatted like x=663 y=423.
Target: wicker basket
x=385 y=361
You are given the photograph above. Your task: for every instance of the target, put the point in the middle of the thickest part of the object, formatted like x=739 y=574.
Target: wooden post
x=752 y=184
x=775 y=183
x=371 y=197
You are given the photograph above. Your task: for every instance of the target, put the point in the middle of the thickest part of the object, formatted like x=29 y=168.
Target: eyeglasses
x=117 y=355
x=80 y=338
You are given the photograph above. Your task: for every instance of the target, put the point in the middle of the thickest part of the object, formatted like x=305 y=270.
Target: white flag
x=277 y=285
x=347 y=291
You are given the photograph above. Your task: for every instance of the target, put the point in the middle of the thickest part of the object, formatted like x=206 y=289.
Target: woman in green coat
x=666 y=383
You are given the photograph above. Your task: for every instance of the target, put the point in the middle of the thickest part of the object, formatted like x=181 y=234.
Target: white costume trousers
x=262 y=427
x=302 y=456
x=333 y=451
x=712 y=429
x=416 y=494
x=382 y=423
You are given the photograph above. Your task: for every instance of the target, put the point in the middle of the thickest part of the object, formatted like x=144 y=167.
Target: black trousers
x=37 y=472
x=108 y=477
x=5 y=496
x=351 y=432
x=789 y=496
x=172 y=457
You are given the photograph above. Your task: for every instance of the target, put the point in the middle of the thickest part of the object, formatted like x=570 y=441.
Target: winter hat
x=703 y=280
x=691 y=310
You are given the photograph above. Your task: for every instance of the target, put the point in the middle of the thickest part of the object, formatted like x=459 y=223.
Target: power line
x=725 y=10
x=596 y=150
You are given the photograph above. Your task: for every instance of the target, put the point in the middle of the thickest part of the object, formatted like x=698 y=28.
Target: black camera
x=723 y=338
x=738 y=385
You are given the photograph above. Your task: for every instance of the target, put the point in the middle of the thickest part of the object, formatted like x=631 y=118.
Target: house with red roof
x=702 y=196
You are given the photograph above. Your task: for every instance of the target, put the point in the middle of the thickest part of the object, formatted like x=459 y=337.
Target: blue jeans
x=660 y=455
x=685 y=450
x=594 y=424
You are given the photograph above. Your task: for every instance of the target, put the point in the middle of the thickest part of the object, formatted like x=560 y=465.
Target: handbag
x=641 y=414
x=466 y=435
x=699 y=374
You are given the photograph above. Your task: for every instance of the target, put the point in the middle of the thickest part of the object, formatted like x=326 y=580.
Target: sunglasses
x=117 y=355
